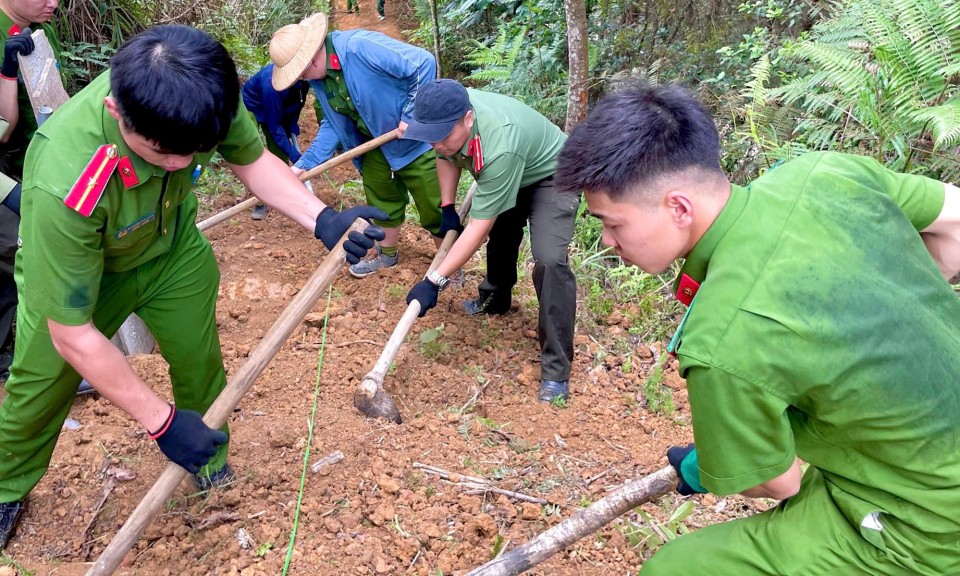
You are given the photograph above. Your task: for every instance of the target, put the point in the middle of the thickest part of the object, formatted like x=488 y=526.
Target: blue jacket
x=278 y=112
x=383 y=76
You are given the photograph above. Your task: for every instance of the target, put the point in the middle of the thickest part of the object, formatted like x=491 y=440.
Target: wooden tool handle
x=331 y=163
x=223 y=406
x=374 y=379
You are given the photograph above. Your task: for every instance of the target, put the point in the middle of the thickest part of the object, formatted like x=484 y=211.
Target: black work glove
x=187 y=441
x=332 y=224
x=22 y=43
x=12 y=201
x=425 y=292
x=684 y=461
x=449 y=220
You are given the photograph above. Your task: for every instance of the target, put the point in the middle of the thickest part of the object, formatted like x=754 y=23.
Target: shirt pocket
x=130 y=239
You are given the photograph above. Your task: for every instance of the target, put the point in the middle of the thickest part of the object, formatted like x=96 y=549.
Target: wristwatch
x=439 y=281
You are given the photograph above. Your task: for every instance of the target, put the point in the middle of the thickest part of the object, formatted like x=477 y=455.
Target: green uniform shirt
x=63 y=254
x=823 y=329
x=520 y=148
x=335 y=88
x=27 y=124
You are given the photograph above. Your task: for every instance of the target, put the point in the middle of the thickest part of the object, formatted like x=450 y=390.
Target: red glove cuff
x=166 y=425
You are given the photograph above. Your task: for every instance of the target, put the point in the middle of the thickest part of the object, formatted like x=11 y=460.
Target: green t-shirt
x=63 y=255
x=520 y=148
x=16 y=145
x=823 y=329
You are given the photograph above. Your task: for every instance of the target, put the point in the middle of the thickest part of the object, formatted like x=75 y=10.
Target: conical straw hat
x=293 y=47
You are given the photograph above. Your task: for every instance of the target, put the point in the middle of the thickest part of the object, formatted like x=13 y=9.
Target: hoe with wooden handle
x=369 y=397
x=229 y=398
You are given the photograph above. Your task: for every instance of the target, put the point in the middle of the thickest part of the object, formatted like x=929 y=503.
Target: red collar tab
x=475 y=151
x=334 y=62
x=127 y=173
x=687 y=289
x=14 y=30
x=89 y=187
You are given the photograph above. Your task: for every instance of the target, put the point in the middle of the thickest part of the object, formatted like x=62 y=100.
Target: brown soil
x=468 y=403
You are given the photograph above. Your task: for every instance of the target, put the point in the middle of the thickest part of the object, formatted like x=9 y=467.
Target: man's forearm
x=942 y=236
x=104 y=366
x=9 y=106
x=465 y=246
x=448 y=176
x=271 y=180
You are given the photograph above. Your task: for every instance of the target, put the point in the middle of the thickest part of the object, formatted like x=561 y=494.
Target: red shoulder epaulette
x=88 y=188
x=475 y=150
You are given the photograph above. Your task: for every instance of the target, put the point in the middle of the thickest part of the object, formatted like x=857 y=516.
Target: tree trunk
x=436 y=35
x=579 y=63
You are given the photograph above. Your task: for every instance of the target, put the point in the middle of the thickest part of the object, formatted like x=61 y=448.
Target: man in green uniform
x=112 y=235
x=511 y=150
x=820 y=329
x=15 y=17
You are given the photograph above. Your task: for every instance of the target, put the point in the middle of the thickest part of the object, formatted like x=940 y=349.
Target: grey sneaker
x=370 y=265
x=259 y=212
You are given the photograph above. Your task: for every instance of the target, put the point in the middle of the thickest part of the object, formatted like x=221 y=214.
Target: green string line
x=306 y=453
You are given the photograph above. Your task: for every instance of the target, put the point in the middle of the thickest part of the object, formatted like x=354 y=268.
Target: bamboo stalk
x=581 y=524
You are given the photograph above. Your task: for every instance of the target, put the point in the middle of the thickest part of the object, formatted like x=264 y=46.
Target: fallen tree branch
x=581 y=524
x=476 y=485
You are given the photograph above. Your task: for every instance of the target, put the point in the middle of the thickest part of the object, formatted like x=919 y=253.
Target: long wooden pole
x=223 y=406
x=360 y=150
x=581 y=524
x=369 y=397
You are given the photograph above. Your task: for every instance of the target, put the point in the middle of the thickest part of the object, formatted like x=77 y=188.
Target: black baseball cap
x=439 y=105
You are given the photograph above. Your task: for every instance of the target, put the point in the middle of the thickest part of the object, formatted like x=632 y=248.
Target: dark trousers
x=551 y=215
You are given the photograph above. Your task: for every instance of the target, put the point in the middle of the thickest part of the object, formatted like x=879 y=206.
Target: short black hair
x=636 y=136
x=177 y=87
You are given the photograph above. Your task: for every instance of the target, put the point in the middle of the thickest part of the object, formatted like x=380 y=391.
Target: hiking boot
x=370 y=265
x=9 y=514
x=550 y=390
x=221 y=477
x=259 y=212
x=487 y=305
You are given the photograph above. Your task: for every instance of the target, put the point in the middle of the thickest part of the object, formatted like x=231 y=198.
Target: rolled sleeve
x=497 y=186
x=242 y=145
x=742 y=432
x=62 y=264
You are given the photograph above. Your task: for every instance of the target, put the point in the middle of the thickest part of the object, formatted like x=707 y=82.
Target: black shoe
x=550 y=390
x=488 y=305
x=9 y=514
x=221 y=477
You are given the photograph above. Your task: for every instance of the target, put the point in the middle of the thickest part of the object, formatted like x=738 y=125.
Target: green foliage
x=659 y=398
x=878 y=79
x=649 y=534
x=430 y=346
